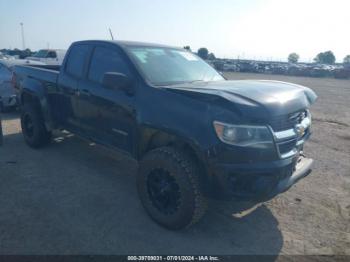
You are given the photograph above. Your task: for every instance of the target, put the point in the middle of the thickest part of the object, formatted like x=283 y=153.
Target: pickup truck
x=194 y=134
x=49 y=56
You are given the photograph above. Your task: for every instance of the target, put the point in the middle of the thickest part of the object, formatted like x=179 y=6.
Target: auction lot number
x=173 y=258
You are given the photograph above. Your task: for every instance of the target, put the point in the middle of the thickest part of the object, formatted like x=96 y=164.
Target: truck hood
x=255 y=98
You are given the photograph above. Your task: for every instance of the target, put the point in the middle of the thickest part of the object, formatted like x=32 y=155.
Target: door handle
x=83 y=91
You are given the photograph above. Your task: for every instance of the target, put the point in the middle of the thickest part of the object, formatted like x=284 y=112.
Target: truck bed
x=42 y=73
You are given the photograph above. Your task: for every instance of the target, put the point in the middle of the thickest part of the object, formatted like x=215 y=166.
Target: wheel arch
x=39 y=100
x=155 y=138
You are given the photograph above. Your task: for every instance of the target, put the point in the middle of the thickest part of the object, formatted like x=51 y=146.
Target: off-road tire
x=39 y=136
x=184 y=171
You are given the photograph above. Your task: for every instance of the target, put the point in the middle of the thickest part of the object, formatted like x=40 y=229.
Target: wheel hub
x=28 y=126
x=163 y=191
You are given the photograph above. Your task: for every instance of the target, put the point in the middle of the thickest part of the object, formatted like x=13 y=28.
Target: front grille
x=287 y=121
x=285 y=147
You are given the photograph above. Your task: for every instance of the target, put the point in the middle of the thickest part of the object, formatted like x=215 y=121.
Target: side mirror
x=118 y=81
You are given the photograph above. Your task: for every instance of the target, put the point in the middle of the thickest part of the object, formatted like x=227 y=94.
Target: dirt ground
x=73 y=197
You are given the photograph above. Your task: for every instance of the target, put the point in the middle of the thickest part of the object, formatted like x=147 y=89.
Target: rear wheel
x=169 y=188
x=33 y=127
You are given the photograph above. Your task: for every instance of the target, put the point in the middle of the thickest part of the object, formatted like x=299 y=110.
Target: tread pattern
x=191 y=170
x=43 y=136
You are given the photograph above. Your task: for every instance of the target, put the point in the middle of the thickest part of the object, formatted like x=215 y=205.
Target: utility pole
x=23 y=42
x=110 y=31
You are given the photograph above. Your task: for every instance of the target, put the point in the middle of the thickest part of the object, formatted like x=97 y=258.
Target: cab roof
x=124 y=44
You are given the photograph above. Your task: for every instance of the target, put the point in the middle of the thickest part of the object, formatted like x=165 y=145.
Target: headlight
x=242 y=135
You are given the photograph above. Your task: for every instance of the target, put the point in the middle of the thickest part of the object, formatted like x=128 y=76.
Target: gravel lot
x=73 y=197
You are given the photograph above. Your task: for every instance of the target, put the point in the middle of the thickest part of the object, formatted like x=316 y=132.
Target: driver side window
x=106 y=60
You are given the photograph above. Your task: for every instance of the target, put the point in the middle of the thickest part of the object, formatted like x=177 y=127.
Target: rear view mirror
x=116 y=81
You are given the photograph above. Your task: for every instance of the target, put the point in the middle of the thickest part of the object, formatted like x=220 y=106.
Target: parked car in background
x=230 y=67
x=16 y=53
x=8 y=98
x=49 y=56
x=282 y=68
x=7 y=57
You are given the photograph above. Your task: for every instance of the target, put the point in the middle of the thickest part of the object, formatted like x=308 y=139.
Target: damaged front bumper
x=259 y=181
x=302 y=169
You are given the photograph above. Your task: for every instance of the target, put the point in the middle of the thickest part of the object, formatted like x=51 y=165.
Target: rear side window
x=76 y=60
x=106 y=60
x=52 y=54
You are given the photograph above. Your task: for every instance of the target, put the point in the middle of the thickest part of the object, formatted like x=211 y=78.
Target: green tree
x=293 y=58
x=27 y=52
x=187 y=47
x=211 y=56
x=325 y=58
x=347 y=60
x=203 y=53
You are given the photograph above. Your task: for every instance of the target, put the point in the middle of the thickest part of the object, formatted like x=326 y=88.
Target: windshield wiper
x=178 y=83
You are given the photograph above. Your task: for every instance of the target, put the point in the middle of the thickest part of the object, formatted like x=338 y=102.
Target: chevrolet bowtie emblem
x=300 y=130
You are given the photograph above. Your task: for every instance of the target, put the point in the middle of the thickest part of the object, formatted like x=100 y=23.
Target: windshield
x=169 y=66
x=41 y=54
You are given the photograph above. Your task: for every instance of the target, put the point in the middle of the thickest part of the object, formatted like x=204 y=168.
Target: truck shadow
x=78 y=198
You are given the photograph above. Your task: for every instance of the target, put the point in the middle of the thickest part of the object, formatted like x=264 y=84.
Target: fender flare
x=164 y=137
x=34 y=91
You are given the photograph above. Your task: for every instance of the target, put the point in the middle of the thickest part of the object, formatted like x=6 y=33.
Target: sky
x=250 y=29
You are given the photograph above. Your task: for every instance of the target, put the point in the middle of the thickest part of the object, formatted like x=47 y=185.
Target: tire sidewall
x=180 y=172
x=38 y=126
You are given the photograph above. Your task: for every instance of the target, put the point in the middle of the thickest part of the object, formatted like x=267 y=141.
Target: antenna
x=110 y=31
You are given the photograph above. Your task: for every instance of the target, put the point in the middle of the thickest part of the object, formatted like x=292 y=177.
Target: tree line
x=17 y=52
x=326 y=57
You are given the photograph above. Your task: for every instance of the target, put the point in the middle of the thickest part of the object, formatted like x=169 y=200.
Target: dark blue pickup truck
x=195 y=134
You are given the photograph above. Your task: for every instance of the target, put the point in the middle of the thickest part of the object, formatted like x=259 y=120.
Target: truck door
x=109 y=114
x=66 y=104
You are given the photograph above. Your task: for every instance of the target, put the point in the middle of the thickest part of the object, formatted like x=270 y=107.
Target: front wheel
x=33 y=127
x=169 y=189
